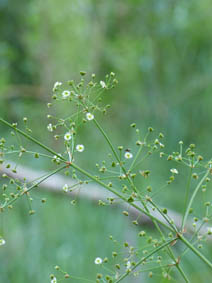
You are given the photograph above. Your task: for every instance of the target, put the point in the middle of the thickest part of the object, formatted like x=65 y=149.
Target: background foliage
x=161 y=52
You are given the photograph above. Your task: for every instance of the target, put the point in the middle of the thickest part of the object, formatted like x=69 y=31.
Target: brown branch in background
x=91 y=192
x=24 y=91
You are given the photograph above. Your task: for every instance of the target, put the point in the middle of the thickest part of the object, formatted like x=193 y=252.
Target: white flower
x=178 y=158
x=103 y=84
x=89 y=116
x=161 y=154
x=80 y=147
x=122 y=176
x=209 y=230
x=66 y=94
x=161 y=145
x=56 y=85
x=54 y=280
x=67 y=136
x=174 y=171
x=98 y=260
x=128 y=264
x=57 y=158
x=2 y=242
x=65 y=188
x=128 y=155
x=50 y=128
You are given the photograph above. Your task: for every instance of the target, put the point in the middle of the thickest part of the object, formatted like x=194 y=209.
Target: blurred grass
x=58 y=234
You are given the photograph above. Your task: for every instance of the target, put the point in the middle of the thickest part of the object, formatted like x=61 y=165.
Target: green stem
x=124 y=170
x=164 y=216
x=107 y=139
x=192 y=198
x=27 y=151
x=187 y=194
x=191 y=247
x=31 y=138
x=118 y=195
x=182 y=273
x=136 y=157
x=115 y=154
x=79 y=169
x=171 y=254
x=192 y=238
x=35 y=185
x=145 y=258
x=169 y=250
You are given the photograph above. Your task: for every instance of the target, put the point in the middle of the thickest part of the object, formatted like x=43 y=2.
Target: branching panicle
x=123 y=172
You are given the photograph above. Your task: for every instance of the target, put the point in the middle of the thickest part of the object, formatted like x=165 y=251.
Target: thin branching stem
x=135 y=189
x=194 y=250
x=187 y=194
x=193 y=197
x=27 y=190
x=107 y=139
x=119 y=195
x=164 y=216
x=145 y=258
x=31 y=138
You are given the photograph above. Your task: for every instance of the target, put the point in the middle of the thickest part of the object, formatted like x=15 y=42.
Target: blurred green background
x=161 y=53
